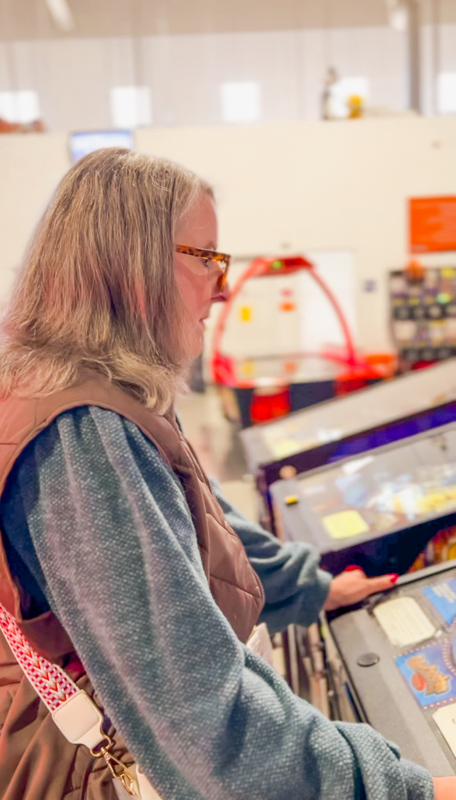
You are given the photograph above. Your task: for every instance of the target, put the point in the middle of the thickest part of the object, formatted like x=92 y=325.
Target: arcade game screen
x=342 y=417
x=384 y=491
x=420 y=624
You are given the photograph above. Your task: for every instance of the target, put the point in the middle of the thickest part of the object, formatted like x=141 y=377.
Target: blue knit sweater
x=98 y=528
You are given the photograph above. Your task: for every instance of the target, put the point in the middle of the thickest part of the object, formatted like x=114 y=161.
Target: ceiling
x=30 y=19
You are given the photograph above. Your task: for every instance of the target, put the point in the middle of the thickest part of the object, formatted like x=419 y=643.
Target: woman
x=115 y=539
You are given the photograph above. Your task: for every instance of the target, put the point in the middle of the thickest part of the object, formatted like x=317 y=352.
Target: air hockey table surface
x=377 y=510
x=399 y=653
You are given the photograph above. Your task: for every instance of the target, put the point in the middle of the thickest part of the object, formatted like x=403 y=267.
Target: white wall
x=30 y=167
x=73 y=76
x=281 y=188
x=321 y=186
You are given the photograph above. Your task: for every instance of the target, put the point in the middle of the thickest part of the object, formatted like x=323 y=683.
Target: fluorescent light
x=397 y=15
x=61 y=14
x=240 y=101
x=130 y=106
x=21 y=107
x=446 y=93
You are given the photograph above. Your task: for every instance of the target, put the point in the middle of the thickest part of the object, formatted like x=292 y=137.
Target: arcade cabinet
x=377 y=510
x=377 y=415
x=397 y=659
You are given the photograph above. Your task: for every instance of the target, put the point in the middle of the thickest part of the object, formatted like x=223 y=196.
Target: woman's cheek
x=195 y=291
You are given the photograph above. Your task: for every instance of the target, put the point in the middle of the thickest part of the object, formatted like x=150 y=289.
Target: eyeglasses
x=213 y=260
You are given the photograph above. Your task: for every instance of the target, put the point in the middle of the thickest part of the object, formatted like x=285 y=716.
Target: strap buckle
x=117 y=768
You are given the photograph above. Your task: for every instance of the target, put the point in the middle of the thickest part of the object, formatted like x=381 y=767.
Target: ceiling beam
x=24 y=19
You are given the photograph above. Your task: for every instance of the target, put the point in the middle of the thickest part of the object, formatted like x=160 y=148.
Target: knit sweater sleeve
x=112 y=544
x=294 y=586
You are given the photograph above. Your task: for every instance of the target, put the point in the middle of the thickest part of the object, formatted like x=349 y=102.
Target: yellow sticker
x=245 y=313
x=345 y=524
x=247 y=368
x=286 y=447
x=291 y=500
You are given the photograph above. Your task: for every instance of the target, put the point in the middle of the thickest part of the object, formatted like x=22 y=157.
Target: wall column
x=414 y=54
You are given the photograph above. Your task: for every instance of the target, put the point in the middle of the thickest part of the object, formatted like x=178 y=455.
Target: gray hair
x=97 y=290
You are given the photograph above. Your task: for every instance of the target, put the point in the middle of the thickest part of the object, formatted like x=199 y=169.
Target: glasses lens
x=223 y=276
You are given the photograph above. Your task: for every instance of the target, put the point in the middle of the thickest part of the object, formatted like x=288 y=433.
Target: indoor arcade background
x=325 y=400
x=237 y=92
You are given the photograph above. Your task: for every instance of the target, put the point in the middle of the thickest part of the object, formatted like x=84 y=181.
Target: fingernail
x=394 y=577
x=352 y=567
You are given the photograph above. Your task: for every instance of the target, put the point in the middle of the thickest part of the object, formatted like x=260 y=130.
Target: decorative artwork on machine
x=422 y=629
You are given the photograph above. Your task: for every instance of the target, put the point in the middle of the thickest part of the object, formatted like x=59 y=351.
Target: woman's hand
x=352 y=586
x=445 y=788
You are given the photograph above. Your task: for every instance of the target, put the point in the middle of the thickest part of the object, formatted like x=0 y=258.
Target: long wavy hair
x=97 y=291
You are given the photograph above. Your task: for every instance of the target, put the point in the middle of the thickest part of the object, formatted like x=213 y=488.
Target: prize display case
x=423 y=315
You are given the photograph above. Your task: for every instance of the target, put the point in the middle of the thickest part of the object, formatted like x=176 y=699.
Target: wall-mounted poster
x=432 y=222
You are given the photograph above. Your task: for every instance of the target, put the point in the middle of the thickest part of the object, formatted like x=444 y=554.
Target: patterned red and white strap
x=73 y=711
x=50 y=682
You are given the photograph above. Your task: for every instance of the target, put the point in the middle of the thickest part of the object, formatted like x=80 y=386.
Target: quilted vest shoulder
x=234 y=585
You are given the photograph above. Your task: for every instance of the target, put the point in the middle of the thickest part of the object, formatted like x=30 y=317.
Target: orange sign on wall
x=432 y=224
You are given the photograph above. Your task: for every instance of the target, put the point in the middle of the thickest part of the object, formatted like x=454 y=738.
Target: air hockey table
x=379 y=509
x=334 y=429
x=311 y=381
x=398 y=651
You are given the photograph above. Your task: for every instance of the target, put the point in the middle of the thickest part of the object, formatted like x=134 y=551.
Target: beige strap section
x=147 y=790
x=80 y=720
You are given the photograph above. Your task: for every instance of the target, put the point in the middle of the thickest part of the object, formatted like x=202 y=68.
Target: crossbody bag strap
x=73 y=711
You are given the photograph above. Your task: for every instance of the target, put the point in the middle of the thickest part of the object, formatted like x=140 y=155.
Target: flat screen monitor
x=84 y=142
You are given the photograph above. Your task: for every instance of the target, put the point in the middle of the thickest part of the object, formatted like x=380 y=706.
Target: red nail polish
x=394 y=577
x=352 y=568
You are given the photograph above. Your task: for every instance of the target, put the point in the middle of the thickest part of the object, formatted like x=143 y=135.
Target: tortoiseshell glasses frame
x=221 y=259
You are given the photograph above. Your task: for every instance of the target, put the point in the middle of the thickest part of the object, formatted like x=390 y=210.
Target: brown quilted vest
x=36 y=762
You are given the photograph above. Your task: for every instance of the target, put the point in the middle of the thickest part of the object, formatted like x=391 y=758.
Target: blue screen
x=87 y=141
x=433 y=418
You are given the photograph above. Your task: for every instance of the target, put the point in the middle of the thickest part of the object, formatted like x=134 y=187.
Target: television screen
x=85 y=142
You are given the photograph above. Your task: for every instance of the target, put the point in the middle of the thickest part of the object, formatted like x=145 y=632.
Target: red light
x=297 y=261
